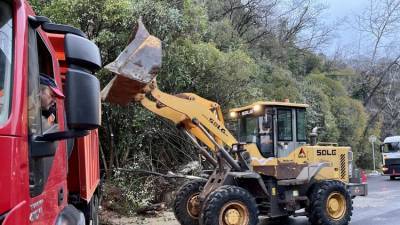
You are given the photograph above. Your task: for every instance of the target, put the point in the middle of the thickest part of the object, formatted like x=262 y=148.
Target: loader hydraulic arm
x=191 y=112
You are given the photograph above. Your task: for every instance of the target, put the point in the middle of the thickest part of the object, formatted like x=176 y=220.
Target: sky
x=343 y=10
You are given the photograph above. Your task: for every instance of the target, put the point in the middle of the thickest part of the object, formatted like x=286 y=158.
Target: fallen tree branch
x=152 y=209
x=170 y=174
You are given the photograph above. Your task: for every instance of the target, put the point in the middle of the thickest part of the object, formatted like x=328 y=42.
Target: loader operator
x=48 y=94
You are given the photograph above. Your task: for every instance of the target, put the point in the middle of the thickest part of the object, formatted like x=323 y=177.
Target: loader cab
x=277 y=128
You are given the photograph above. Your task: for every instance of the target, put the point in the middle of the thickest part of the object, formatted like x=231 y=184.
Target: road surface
x=380 y=207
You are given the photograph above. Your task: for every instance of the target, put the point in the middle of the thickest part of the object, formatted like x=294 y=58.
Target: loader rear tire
x=187 y=205
x=229 y=205
x=331 y=204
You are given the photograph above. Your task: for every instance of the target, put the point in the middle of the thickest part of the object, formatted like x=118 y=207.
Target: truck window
x=6 y=59
x=392 y=147
x=40 y=62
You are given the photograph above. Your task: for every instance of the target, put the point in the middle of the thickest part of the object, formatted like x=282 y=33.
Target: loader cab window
x=258 y=129
x=248 y=129
x=291 y=130
x=266 y=135
x=285 y=125
x=6 y=59
x=301 y=125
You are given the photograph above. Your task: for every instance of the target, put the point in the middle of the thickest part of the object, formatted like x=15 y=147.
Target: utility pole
x=373 y=139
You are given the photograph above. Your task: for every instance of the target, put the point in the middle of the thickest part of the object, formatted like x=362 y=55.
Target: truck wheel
x=230 y=205
x=331 y=204
x=392 y=178
x=187 y=205
x=91 y=211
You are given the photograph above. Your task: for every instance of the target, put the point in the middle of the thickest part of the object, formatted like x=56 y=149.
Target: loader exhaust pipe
x=314 y=136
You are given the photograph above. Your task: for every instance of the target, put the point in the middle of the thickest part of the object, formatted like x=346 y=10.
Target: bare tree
x=378 y=61
x=296 y=22
x=378 y=23
x=301 y=23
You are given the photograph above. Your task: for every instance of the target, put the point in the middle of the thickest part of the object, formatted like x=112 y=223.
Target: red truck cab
x=49 y=173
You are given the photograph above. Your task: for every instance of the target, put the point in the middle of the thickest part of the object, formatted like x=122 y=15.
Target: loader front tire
x=229 y=205
x=331 y=204
x=187 y=205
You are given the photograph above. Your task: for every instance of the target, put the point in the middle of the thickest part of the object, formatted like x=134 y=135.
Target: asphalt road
x=380 y=207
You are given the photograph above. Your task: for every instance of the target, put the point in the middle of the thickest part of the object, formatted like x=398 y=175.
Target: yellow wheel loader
x=269 y=169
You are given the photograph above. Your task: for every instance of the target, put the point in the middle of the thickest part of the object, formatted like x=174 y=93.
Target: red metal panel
x=73 y=171
x=13 y=173
x=17 y=215
x=57 y=40
x=5 y=176
x=13 y=142
x=83 y=166
x=89 y=170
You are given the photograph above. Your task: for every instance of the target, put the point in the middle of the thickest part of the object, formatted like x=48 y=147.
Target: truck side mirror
x=382 y=148
x=83 y=104
x=82 y=91
x=82 y=101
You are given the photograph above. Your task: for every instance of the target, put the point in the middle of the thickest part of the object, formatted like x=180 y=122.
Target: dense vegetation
x=232 y=52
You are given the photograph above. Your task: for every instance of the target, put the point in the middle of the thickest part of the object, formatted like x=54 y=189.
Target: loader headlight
x=257 y=108
x=233 y=114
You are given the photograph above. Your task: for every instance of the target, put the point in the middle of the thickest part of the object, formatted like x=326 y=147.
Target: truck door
x=47 y=160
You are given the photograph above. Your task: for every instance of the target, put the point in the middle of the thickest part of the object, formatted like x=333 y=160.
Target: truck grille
x=343 y=166
x=392 y=161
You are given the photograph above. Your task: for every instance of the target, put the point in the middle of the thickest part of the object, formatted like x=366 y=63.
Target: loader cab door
x=290 y=130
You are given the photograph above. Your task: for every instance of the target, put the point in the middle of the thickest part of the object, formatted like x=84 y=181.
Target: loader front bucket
x=134 y=68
